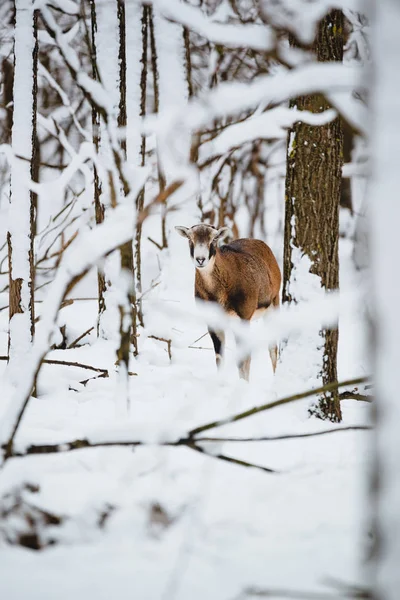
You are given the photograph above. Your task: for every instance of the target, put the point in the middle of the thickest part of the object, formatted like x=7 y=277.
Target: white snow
x=223 y=527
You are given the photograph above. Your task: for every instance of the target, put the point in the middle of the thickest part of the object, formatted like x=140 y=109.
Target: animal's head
x=203 y=242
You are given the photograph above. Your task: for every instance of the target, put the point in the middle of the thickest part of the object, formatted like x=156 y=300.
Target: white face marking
x=201 y=256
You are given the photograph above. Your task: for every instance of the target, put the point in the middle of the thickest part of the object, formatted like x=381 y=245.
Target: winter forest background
x=129 y=467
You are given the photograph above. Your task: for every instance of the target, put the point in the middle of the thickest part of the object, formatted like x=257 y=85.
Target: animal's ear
x=223 y=234
x=183 y=231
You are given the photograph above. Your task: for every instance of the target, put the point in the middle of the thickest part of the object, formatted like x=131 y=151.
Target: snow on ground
x=180 y=525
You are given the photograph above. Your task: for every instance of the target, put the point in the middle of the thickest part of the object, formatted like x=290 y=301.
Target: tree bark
x=313 y=183
x=155 y=71
x=128 y=311
x=98 y=205
x=136 y=95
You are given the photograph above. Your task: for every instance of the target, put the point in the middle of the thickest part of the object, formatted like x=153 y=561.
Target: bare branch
x=289 y=436
x=257 y=409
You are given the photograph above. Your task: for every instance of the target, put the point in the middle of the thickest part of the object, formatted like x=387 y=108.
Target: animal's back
x=260 y=264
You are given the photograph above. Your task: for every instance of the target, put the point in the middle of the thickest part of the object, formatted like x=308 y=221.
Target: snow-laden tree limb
x=270 y=125
x=300 y=17
x=277 y=324
x=231 y=98
x=69 y=7
x=230 y=35
x=88 y=248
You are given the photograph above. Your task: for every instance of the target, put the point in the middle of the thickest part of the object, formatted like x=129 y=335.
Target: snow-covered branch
x=270 y=125
x=88 y=248
x=230 y=35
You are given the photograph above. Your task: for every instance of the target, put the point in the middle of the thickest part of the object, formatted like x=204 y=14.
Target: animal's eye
x=212 y=250
x=191 y=246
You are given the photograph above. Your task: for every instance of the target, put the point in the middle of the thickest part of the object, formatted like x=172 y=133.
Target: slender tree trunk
x=7 y=76
x=155 y=72
x=128 y=311
x=99 y=206
x=116 y=317
x=136 y=91
x=313 y=178
x=384 y=219
x=22 y=201
x=169 y=68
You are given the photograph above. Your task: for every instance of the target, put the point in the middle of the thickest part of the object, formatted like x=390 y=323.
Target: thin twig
x=293 y=594
x=67 y=363
x=78 y=339
x=257 y=409
x=160 y=198
x=85 y=443
x=199 y=348
x=168 y=342
x=198 y=339
x=355 y=396
x=154 y=242
x=289 y=436
x=231 y=459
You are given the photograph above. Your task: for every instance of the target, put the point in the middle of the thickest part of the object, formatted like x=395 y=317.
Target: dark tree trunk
x=7 y=69
x=128 y=323
x=140 y=198
x=161 y=177
x=98 y=205
x=345 y=192
x=128 y=327
x=313 y=183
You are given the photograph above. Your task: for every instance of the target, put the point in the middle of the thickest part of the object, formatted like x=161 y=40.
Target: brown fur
x=245 y=277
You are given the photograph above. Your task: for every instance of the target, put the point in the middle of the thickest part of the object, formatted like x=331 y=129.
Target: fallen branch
x=84 y=443
x=67 y=363
x=187 y=441
x=257 y=409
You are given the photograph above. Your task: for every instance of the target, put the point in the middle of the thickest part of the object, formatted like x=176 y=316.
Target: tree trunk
x=313 y=179
x=22 y=200
x=109 y=67
x=128 y=311
x=136 y=94
x=171 y=92
x=384 y=218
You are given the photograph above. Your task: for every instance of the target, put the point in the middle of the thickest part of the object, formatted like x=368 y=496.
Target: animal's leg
x=273 y=352
x=244 y=368
x=273 y=349
x=244 y=358
x=218 y=339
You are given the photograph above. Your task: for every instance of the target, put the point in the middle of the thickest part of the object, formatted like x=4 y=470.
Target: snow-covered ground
x=178 y=524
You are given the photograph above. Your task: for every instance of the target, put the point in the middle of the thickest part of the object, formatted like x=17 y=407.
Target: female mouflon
x=242 y=276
